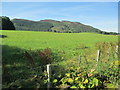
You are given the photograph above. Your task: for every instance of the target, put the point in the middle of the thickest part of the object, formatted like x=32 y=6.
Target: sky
x=60 y=0
x=101 y=15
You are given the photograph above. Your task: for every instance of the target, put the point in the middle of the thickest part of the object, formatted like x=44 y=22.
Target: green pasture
x=65 y=47
x=63 y=41
x=67 y=42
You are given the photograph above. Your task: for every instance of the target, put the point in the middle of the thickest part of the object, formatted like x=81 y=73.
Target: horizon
x=101 y=15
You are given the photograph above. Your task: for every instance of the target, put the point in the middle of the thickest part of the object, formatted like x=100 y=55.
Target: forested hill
x=54 y=26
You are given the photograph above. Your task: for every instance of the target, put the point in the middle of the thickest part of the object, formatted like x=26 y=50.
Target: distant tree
x=113 y=33
x=101 y=32
x=68 y=31
x=107 y=33
x=49 y=30
x=0 y=23
x=55 y=31
x=6 y=24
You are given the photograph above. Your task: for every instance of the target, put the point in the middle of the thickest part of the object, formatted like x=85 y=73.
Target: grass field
x=67 y=42
x=65 y=48
x=64 y=41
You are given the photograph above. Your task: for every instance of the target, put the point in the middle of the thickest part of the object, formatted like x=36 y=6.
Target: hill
x=55 y=26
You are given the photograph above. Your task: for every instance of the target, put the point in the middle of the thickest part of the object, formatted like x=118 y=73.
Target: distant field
x=38 y=40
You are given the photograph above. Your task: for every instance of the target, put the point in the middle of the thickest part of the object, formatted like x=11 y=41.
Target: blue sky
x=102 y=15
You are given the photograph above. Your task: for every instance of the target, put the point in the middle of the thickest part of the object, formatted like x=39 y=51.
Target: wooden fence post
x=98 y=53
x=116 y=48
x=49 y=75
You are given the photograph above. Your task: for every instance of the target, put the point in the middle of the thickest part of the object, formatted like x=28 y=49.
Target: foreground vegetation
x=73 y=59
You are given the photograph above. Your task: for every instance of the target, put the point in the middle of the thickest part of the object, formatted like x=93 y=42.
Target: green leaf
x=55 y=80
x=63 y=80
x=86 y=81
x=73 y=87
x=116 y=62
x=111 y=86
x=45 y=81
x=81 y=85
x=60 y=76
x=70 y=80
x=95 y=81
x=83 y=79
x=77 y=78
x=90 y=86
x=67 y=74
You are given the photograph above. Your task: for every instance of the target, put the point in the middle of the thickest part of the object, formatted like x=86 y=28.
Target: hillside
x=54 y=26
x=70 y=27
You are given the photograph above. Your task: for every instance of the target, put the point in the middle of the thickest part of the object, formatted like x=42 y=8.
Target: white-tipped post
x=98 y=53
x=117 y=48
x=49 y=75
